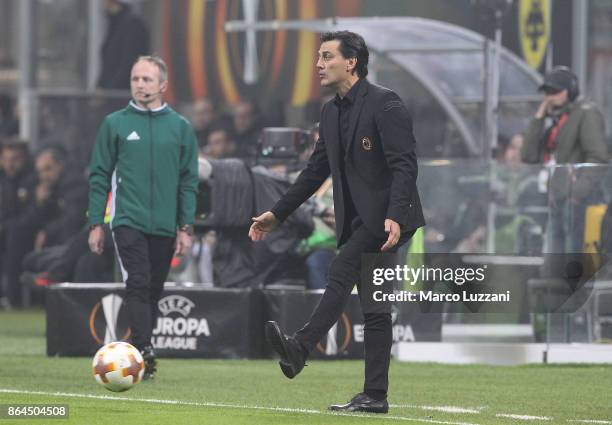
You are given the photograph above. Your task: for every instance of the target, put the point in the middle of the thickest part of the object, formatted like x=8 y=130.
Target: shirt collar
x=350 y=96
x=140 y=108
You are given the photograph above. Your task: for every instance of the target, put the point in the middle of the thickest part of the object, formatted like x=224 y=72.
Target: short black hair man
x=367 y=145
x=220 y=142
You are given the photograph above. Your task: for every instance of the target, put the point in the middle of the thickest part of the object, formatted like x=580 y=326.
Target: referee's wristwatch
x=187 y=228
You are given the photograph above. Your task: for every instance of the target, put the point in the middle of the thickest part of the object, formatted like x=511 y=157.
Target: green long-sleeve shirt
x=148 y=160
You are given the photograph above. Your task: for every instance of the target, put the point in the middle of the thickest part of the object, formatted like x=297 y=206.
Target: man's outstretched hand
x=263 y=225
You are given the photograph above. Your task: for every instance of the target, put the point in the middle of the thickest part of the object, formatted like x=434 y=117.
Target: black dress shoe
x=288 y=348
x=148 y=355
x=362 y=403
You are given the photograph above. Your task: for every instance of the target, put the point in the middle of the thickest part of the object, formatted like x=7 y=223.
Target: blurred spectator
x=220 y=143
x=513 y=177
x=203 y=116
x=16 y=178
x=566 y=129
x=61 y=198
x=55 y=213
x=55 y=126
x=457 y=211
x=313 y=132
x=247 y=125
x=518 y=202
x=127 y=38
x=72 y=261
x=9 y=124
x=512 y=154
x=519 y=183
x=16 y=186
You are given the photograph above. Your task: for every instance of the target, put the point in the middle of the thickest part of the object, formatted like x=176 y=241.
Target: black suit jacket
x=380 y=164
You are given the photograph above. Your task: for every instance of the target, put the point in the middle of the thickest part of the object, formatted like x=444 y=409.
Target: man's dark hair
x=58 y=153
x=352 y=45
x=222 y=125
x=14 y=143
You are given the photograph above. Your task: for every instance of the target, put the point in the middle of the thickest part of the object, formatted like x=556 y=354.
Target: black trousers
x=145 y=262
x=343 y=274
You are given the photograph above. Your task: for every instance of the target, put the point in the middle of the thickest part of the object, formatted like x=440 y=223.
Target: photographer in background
x=566 y=129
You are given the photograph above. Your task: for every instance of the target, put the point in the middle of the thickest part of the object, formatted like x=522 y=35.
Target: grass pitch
x=256 y=392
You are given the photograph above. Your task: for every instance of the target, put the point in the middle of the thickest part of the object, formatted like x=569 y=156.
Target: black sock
x=377 y=394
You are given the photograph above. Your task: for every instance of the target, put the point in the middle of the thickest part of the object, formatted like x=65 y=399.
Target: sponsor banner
x=345 y=340
x=534 y=30
x=192 y=322
x=213 y=323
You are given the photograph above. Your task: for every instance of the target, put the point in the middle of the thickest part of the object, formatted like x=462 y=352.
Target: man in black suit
x=367 y=144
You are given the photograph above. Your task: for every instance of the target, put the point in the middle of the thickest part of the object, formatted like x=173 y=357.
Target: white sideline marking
x=523 y=417
x=226 y=405
x=445 y=409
